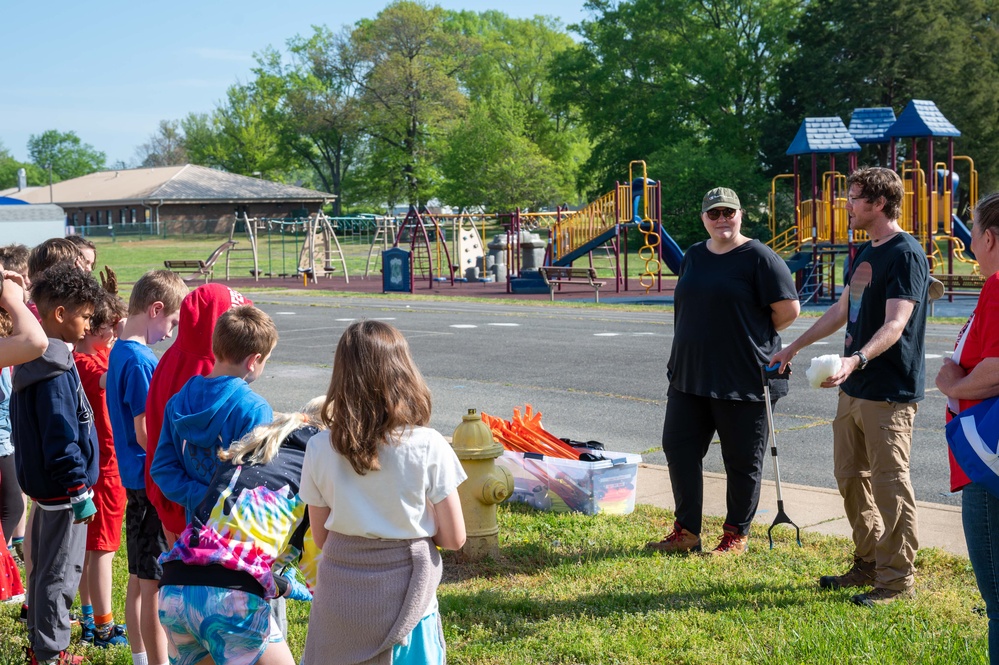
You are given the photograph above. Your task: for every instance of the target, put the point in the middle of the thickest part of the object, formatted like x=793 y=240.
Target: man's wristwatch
x=863 y=359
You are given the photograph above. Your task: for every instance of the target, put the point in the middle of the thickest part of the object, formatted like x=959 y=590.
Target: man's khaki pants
x=871 y=446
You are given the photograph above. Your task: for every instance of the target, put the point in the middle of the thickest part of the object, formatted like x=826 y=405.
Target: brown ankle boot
x=860 y=575
x=732 y=542
x=680 y=540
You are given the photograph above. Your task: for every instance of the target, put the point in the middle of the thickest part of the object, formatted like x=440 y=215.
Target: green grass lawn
x=578 y=589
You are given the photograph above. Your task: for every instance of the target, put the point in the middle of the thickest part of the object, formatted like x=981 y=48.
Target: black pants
x=691 y=422
x=11 y=502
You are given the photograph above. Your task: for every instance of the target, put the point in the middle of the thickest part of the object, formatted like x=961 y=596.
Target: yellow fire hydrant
x=486 y=486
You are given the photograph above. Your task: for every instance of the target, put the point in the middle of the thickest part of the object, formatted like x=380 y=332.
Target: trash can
x=397 y=275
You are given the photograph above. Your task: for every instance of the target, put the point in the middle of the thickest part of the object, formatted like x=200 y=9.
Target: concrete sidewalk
x=814 y=509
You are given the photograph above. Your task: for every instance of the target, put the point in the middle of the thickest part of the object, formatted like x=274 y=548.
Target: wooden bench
x=956 y=285
x=555 y=276
x=961 y=284
x=199 y=268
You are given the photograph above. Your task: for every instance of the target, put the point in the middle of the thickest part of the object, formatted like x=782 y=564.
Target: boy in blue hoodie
x=55 y=454
x=153 y=313
x=211 y=412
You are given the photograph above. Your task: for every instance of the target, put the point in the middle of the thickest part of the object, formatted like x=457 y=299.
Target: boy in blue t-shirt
x=212 y=412
x=153 y=313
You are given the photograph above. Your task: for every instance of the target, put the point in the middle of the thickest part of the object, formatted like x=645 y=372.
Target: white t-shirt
x=418 y=467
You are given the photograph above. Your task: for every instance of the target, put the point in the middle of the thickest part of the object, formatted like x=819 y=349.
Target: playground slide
x=672 y=254
x=583 y=250
x=962 y=233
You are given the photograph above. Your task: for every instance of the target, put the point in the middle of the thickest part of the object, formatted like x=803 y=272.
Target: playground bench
x=958 y=285
x=555 y=276
x=198 y=267
x=955 y=285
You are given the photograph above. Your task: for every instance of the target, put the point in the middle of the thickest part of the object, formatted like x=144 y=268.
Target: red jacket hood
x=198 y=313
x=190 y=355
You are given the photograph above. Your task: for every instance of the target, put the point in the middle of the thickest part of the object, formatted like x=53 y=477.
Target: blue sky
x=111 y=70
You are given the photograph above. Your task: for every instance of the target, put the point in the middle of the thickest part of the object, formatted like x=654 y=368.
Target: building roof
x=168 y=184
x=35 y=213
x=822 y=135
x=920 y=118
x=871 y=125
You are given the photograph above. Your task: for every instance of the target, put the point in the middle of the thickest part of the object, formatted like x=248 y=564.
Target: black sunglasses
x=715 y=213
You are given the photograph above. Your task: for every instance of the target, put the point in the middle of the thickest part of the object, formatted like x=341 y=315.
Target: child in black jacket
x=55 y=454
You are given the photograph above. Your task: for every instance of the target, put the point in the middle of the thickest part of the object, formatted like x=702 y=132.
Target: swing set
x=305 y=247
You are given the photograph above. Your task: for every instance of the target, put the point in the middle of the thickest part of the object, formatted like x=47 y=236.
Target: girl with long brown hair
x=384 y=485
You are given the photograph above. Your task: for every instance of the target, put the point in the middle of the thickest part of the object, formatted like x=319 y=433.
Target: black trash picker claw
x=770 y=372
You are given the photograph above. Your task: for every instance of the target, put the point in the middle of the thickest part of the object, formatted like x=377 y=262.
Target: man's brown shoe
x=679 y=541
x=732 y=542
x=860 y=575
x=880 y=596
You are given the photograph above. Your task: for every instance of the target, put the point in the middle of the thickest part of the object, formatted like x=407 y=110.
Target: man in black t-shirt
x=881 y=380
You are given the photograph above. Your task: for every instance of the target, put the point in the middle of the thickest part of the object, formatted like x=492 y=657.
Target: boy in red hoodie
x=190 y=355
x=104 y=533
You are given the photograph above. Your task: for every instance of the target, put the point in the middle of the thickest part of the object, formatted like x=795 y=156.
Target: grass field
x=577 y=589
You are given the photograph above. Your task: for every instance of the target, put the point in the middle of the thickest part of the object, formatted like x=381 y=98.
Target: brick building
x=171 y=199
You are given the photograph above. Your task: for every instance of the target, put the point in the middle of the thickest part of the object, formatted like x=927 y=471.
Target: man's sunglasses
x=715 y=213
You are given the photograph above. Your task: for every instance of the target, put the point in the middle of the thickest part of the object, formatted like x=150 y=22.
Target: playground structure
x=315 y=248
x=636 y=204
x=819 y=234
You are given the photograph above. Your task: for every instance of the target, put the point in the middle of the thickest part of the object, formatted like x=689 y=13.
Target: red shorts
x=104 y=533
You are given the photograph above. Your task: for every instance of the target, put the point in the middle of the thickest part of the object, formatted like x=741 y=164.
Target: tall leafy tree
x=489 y=161
x=534 y=148
x=672 y=82
x=318 y=115
x=64 y=152
x=862 y=53
x=404 y=65
x=238 y=137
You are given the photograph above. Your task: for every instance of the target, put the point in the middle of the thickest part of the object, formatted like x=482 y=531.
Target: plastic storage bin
x=560 y=485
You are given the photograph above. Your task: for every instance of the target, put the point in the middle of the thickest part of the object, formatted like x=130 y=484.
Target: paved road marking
x=606 y=334
x=463 y=325
x=504 y=325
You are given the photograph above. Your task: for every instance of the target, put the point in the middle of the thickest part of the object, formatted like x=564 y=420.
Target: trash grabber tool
x=773 y=372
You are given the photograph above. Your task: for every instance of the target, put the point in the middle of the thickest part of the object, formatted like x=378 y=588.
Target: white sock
x=140 y=659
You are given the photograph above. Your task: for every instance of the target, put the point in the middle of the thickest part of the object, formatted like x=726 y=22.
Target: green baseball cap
x=720 y=197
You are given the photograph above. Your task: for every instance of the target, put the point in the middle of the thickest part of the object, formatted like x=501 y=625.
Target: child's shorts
x=104 y=533
x=233 y=627
x=144 y=537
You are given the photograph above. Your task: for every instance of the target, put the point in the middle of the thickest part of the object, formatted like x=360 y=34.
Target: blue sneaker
x=87 y=629
x=115 y=638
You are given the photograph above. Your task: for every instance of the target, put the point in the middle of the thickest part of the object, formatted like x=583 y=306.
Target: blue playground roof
x=921 y=117
x=8 y=201
x=871 y=125
x=825 y=135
